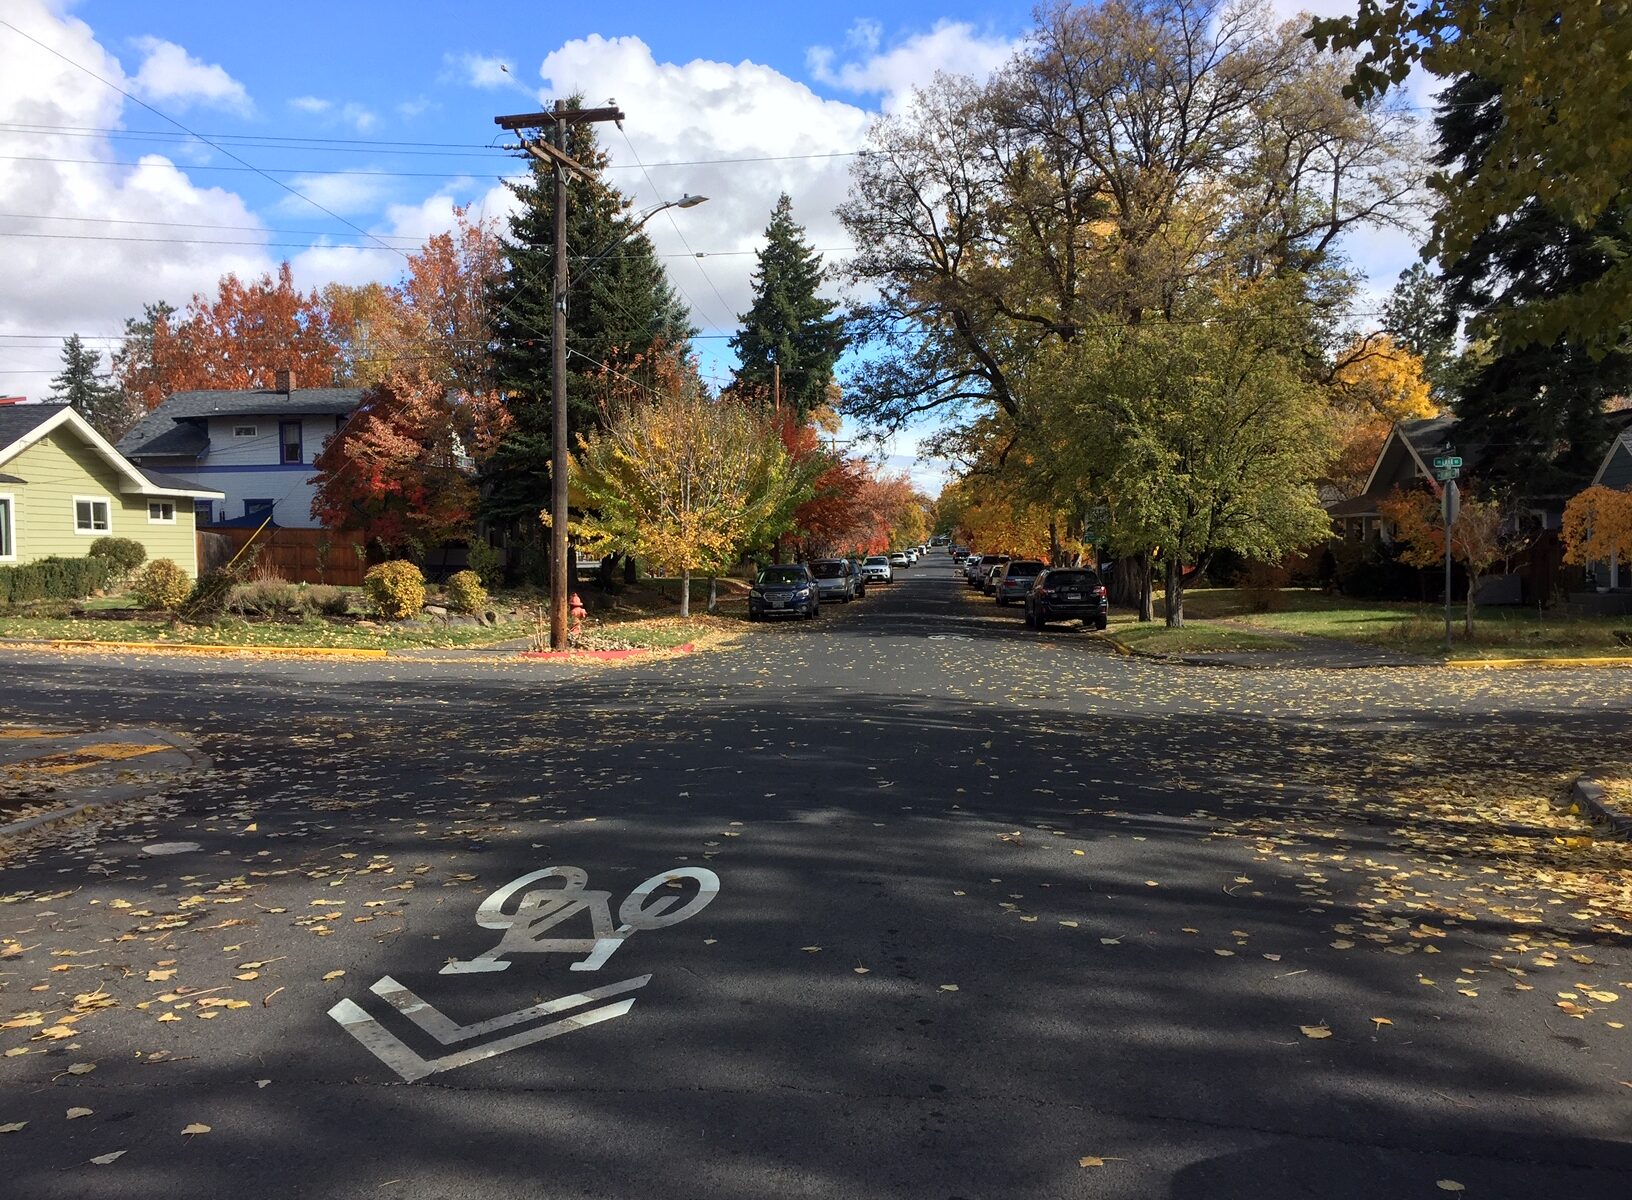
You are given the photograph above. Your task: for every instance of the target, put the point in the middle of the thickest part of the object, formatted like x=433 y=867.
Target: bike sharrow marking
x=435 y=1023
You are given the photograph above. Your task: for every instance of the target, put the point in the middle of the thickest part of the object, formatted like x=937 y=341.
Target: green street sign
x=1446 y=474
x=1447 y=460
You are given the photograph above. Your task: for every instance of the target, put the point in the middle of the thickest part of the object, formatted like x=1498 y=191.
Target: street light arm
x=686 y=201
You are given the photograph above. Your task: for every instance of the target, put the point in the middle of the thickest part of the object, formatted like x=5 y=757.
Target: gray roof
x=11 y=479
x=18 y=420
x=176 y=484
x=176 y=427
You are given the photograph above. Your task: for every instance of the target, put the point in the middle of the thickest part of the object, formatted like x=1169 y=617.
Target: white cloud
x=75 y=284
x=314 y=105
x=345 y=194
x=170 y=76
x=951 y=46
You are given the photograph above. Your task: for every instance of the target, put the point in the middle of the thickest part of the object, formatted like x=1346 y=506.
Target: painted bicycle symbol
x=539 y=910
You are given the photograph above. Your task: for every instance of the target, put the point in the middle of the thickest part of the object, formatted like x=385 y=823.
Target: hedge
x=54 y=579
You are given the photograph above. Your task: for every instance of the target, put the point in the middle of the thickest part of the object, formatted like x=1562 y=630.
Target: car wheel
x=1002 y=601
x=1101 y=624
x=1039 y=622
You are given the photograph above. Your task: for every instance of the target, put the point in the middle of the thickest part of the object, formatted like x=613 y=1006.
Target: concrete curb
x=197 y=763
x=1505 y=663
x=191 y=648
x=1593 y=799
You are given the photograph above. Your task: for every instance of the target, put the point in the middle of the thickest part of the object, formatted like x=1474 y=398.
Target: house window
x=239 y=431
x=91 y=515
x=8 y=545
x=203 y=512
x=161 y=512
x=289 y=439
x=258 y=508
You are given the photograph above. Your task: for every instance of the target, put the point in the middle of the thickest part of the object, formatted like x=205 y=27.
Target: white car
x=876 y=569
x=898 y=558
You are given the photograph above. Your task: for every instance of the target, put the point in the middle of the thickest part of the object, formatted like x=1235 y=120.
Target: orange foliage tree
x=1376 y=384
x=402 y=469
x=237 y=339
x=1482 y=535
x=1598 y=526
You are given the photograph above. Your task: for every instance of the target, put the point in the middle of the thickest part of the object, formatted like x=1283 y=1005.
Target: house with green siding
x=63 y=485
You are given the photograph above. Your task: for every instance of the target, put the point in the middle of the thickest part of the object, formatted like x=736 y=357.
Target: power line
x=166 y=117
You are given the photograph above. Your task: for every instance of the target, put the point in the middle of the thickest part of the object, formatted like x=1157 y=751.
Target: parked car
x=971 y=569
x=898 y=558
x=989 y=571
x=912 y=555
x=1016 y=578
x=856 y=573
x=1064 y=592
x=959 y=553
x=877 y=569
x=785 y=590
x=833 y=579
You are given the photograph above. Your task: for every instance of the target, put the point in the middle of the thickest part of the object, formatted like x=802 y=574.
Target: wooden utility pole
x=560 y=162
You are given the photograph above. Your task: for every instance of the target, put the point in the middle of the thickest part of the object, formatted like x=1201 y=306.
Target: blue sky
x=314 y=93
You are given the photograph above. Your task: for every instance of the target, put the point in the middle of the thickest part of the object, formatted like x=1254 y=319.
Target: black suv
x=1064 y=592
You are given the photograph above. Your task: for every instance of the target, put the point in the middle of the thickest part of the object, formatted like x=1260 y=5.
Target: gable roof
x=176 y=427
x=1617 y=465
x=20 y=430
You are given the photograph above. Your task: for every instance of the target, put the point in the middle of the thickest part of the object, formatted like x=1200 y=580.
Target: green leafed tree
x=619 y=305
x=789 y=324
x=82 y=385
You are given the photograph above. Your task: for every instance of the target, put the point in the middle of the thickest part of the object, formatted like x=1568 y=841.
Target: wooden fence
x=298 y=555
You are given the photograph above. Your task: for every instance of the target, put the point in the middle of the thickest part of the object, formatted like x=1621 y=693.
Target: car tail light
x=1100 y=592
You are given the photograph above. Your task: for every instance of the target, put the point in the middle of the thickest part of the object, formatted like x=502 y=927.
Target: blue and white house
x=255 y=447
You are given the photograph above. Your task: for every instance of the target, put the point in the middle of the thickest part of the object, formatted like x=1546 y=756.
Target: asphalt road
x=998 y=915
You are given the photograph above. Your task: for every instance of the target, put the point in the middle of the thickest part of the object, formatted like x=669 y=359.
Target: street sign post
x=1450 y=506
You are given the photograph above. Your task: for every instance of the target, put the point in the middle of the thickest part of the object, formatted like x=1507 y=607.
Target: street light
x=686 y=201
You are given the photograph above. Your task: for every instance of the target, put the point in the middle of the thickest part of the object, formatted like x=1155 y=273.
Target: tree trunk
x=685 y=592
x=1053 y=543
x=629 y=573
x=1175 y=594
x=1473 y=590
x=1147 y=606
x=713 y=594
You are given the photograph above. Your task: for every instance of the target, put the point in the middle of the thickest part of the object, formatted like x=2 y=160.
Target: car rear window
x=781 y=578
x=827 y=570
x=1025 y=568
x=1073 y=579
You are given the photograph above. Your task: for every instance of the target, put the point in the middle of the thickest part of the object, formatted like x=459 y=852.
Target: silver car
x=833 y=579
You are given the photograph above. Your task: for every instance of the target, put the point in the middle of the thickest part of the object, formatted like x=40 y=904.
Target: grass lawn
x=1198 y=637
x=1499 y=632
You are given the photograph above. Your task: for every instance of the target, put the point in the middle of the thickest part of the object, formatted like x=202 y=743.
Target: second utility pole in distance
x=560 y=162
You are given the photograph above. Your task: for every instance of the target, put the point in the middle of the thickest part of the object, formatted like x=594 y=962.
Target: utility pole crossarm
x=564 y=116
x=545 y=152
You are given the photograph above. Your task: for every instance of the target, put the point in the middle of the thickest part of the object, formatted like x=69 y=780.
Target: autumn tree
x=136 y=364
x=403 y=469
x=235 y=340
x=1376 y=384
x=789 y=329
x=1598 y=527
x=1483 y=534
x=81 y=385
x=680 y=479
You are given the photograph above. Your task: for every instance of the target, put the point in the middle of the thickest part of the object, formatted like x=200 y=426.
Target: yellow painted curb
x=1467 y=663
x=197 y=648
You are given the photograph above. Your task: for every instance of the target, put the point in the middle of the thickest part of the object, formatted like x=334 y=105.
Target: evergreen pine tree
x=789 y=324
x=81 y=385
x=618 y=308
x=1418 y=317
x=1537 y=410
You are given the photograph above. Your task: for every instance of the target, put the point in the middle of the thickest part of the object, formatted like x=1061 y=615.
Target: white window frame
x=246 y=431
x=93 y=531
x=161 y=504
x=8 y=527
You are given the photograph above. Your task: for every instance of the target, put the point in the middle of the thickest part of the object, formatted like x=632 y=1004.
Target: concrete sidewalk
x=47 y=774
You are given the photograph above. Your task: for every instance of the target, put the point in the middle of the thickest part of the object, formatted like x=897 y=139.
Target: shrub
x=465 y=592
x=488 y=564
x=124 y=555
x=210 y=595
x=396 y=588
x=53 y=579
x=161 y=585
x=327 y=599
x=267 y=596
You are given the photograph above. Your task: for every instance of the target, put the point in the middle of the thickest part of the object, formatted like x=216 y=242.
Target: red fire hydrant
x=576 y=610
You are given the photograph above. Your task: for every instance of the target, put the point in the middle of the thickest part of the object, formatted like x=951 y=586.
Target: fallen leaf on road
x=332 y=975
x=75 y=1113
x=949 y=987
x=246 y=976
x=810 y=949
x=861 y=970
x=1449 y=1185
x=1315 y=1031
x=13 y=1127
x=1225 y=953
x=1090 y=1160
x=161 y=976
x=195 y=1127
x=81 y=1068
x=1381 y=1021
x=261 y=1083
x=103 y=1160
x=1069 y=924
x=169 y=1016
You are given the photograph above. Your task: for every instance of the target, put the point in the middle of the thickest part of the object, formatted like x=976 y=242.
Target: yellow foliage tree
x=1598 y=526
x=1377 y=383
